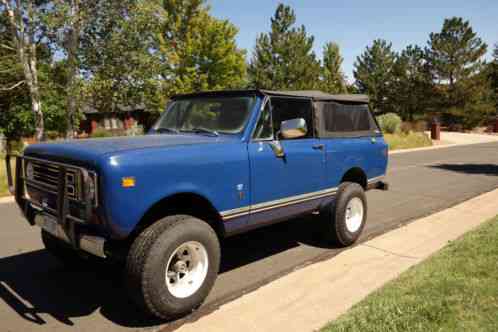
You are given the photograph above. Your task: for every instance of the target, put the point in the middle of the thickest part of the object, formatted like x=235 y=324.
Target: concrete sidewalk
x=307 y=299
x=7 y=199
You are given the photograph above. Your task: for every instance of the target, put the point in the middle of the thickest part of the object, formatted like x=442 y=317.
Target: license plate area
x=50 y=225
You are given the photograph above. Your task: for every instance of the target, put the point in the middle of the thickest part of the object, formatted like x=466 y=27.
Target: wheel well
x=184 y=203
x=356 y=175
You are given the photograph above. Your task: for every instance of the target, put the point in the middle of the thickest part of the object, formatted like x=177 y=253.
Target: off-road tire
x=334 y=215
x=148 y=258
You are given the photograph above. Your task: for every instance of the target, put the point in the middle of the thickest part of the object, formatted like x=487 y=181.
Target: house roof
x=88 y=109
x=311 y=94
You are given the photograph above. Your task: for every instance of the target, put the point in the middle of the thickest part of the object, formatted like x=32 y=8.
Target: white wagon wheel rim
x=354 y=214
x=187 y=269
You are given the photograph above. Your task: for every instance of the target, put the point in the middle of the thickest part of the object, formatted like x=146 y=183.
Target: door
x=284 y=186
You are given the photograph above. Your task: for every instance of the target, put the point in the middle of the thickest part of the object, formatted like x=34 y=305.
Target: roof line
x=311 y=94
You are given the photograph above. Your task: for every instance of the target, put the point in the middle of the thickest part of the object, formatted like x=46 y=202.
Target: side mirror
x=294 y=128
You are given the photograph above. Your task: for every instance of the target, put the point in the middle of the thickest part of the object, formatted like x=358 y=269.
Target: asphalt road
x=38 y=294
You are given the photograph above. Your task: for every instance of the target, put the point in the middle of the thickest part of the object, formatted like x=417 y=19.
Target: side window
x=264 y=128
x=343 y=119
x=288 y=108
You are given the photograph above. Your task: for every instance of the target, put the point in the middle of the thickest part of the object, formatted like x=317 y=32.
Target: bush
x=389 y=123
x=416 y=126
x=421 y=125
x=101 y=133
x=52 y=135
x=407 y=141
x=406 y=127
x=16 y=146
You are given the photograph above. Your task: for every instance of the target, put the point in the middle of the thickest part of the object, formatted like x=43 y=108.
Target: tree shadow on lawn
x=49 y=288
x=482 y=169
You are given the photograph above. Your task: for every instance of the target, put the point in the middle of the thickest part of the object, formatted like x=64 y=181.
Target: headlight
x=30 y=171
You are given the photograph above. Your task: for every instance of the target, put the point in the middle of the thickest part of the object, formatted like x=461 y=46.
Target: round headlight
x=30 y=171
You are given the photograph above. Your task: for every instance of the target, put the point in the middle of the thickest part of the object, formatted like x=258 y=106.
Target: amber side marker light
x=128 y=182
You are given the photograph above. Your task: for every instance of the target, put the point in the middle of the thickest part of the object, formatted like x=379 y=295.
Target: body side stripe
x=229 y=214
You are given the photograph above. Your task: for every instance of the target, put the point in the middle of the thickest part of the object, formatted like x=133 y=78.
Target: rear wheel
x=345 y=219
x=172 y=266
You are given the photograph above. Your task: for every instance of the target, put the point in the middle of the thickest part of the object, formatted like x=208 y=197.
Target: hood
x=88 y=150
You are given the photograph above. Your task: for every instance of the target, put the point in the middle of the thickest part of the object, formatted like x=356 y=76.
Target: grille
x=47 y=175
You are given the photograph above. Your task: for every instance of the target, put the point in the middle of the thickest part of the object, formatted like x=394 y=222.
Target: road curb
x=307 y=299
x=6 y=200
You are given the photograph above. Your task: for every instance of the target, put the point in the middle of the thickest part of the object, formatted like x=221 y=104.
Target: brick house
x=118 y=120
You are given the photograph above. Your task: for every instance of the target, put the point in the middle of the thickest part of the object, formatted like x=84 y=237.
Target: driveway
x=37 y=294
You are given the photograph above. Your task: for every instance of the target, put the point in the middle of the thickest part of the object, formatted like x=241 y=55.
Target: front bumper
x=67 y=227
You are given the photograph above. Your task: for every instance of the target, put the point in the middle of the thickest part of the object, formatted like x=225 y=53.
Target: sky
x=354 y=24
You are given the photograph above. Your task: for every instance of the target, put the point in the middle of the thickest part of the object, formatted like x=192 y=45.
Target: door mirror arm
x=277 y=148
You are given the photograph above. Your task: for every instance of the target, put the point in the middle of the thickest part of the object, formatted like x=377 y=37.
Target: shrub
x=17 y=146
x=421 y=125
x=389 y=123
x=52 y=135
x=406 y=127
x=101 y=133
x=415 y=126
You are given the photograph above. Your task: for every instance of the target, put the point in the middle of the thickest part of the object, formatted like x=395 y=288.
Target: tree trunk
x=37 y=111
x=23 y=33
x=73 y=43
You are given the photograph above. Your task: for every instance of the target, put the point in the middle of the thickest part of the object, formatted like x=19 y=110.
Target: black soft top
x=311 y=94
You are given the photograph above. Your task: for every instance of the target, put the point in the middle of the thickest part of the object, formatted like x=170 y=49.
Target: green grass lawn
x=455 y=290
x=407 y=141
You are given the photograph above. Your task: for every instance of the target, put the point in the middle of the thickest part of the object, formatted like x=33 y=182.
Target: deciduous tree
x=26 y=30
x=120 y=64
x=199 y=51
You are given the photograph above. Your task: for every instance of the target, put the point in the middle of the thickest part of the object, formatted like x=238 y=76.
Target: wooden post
x=435 y=130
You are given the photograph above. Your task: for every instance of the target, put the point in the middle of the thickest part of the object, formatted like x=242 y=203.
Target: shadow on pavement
x=35 y=283
x=483 y=169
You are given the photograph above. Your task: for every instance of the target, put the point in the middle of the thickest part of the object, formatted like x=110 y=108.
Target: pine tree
x=373 y=73
x=333 y=79
x=493 y=75
x=283 y=58
x=412 y=86
x=456 y=56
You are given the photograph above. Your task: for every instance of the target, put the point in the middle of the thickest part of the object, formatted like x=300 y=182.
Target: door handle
x=318 y=147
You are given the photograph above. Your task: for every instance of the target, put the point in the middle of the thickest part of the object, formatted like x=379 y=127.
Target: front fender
x=213 y=171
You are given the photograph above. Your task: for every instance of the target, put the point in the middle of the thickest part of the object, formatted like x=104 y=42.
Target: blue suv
x=215 y=164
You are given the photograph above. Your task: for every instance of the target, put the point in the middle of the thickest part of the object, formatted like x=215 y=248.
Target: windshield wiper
x=200 y=131
x=167 y=130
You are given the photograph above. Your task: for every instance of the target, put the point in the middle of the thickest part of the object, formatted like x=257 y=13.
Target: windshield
x=227 y=115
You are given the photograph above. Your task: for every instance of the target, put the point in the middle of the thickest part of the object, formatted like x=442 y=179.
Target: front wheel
x=172 y=266
x=345 y=219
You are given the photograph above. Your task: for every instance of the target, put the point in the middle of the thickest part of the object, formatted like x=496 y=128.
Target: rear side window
x=346 y=120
